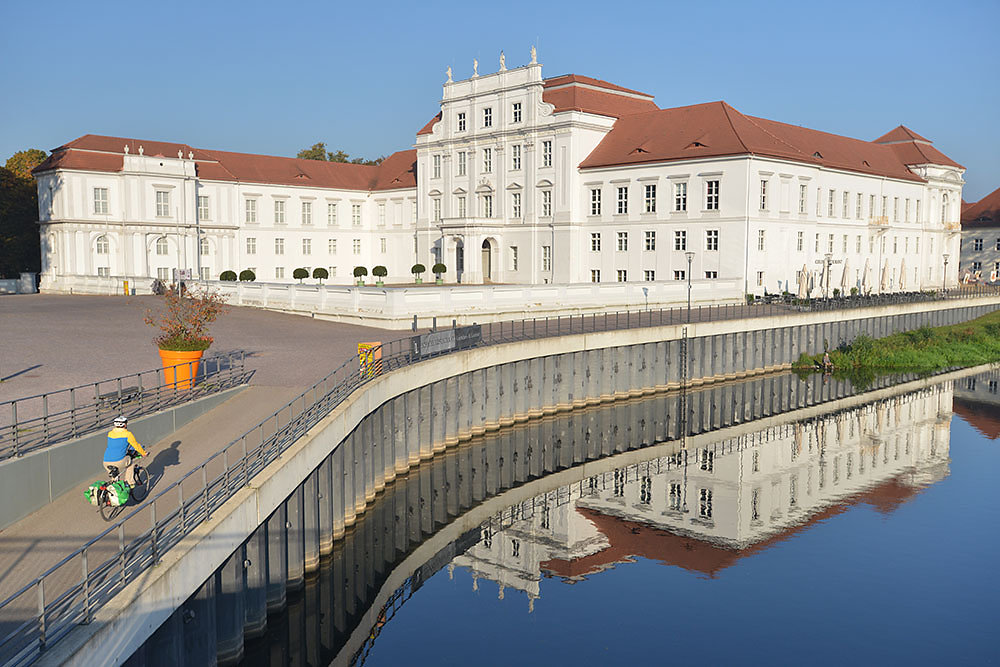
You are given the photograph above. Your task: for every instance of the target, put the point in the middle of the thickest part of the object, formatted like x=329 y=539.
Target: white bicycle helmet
x=121 y=421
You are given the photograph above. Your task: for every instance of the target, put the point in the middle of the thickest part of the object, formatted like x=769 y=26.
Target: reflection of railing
x=164 y=519
x=38 y=421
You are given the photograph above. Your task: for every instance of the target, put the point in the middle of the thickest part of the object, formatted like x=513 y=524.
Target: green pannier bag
x=118 y=493
x=90 y=493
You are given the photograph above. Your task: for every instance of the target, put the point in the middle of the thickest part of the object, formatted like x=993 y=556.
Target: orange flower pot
x=180 y=368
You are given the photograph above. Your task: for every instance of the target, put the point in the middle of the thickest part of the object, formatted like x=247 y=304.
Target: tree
x=315 y=152
x=20 y=249
x=438 y=269
x=299 y=274
x=380 y=272
x=318 y=152
x=22 y=162
x=228 y=276
x=247 y=276
x=360 y=272
x=417 y=269
x=320 y=274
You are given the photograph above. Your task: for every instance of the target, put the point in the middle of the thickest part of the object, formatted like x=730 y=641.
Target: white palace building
x=522 y=180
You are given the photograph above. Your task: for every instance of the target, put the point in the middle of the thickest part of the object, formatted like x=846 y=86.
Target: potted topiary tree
x=320 y=274
x=438 y=269
x=247 y=276
x=380 y=272
x=416 y=270
x=183 y=336
x=360 y=272
x=228 y=276
x=299 y=274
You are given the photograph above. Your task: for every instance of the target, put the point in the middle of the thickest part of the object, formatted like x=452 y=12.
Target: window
x=307 y=246
x=816 y=248
x=997 y=246
x=356 y=246
x=680 y=275
x=622 y=200
x=977 y=266
x=829 y=205
x=707 y=460
x=461 y=206
x=977 y=244
x=515 y=205
x=331 y=246
x=546 y=203
x=650 y=198
x=760 y=239
x=798 y=241
x=712 y=195
x=331 y=214
x=895 y=245
x=885 y=207
x=461 y=163
x=488 y=117
x=595 y=242
x=251 y=211
x=162 y=204
x=595 y=275
x=857 y=206
x=650 y=240
x=857 y=244
x=461 y=121
x=595 y=201
x=279 y=212
x=162 y=246
x=487 y=160
x=515 y=112
x=279 y=272
x=101 y=201
x=436 y=166
x=515 y=157
x=546 y=258
x=436 y=207
x=251 y=245
x=844 y=247
x=382 y=244
x=680 y=240
x=163 y=273
x=916 y=245
x=763 y=195
x=203 y=247
x=917 y=215
x=829 y=242
x=649 y=276
x=622 y=241
x=102 y=245
x=895 y=209
x=279 y=246
x=906 y=210
x=103 y=272
x=381 y=214
x=871 y=206
x=760 y=279
x=356 y=215
x=844 y=205
x=487 y=206
x=819 y=202
x=711 y=239
x=205 y=273
x=513 y=258
x=676 y=501
x=802 y=198
x=546 y=153
x=680 y=196
x=622 y=276
x=711 y=275
x=307 y=212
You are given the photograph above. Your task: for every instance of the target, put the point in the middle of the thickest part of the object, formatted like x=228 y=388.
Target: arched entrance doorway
x=487 y=261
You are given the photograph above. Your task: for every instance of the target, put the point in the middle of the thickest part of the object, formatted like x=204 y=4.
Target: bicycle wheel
x=108 y=511
x=140 y=485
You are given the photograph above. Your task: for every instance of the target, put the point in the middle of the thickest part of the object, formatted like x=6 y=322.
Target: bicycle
x=138 y=489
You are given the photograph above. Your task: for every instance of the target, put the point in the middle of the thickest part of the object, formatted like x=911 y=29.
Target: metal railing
x=68 y=593
x=30 y=423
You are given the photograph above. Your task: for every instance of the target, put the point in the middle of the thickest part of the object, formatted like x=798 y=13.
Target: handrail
x=44 y=419
x=57 y=612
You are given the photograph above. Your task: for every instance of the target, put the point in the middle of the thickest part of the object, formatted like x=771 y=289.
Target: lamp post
x=826 y=289
x=690 y=256
x=944 y=277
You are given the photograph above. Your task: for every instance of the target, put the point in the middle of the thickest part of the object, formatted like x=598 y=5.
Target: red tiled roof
x=572 y=92
x=983 y=417
x=900 y=133
x=99 y=153
x=913 y=148
x=716 y=129
x=565 y=79
x=429 y=127
x=983 y=213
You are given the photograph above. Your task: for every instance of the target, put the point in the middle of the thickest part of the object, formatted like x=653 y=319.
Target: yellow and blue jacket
x=119 y=440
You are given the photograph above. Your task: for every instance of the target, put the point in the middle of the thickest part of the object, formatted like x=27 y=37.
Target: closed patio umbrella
x=845 y=280
x=804 y=282
x=902 y=275
x=884 y=287
x=866 y=279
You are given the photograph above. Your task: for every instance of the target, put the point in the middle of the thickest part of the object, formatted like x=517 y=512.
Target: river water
x=861 y=534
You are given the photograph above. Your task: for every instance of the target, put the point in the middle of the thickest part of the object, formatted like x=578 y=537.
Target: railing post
x=246 y=474
x=154 y=550
x=225 y=463
x=204 y=484
x=72 y=411
x=180 y=498
x=85 y=583
x=13 y=426
x=41 y=613
x=121 y=550
x=45 y=415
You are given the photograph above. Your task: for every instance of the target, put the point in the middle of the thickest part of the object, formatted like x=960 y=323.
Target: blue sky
x=276 y=77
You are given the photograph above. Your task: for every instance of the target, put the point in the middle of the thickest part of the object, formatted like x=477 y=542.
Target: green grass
x=921 y=351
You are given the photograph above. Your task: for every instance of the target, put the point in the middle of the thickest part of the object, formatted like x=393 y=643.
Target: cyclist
x=121 y=446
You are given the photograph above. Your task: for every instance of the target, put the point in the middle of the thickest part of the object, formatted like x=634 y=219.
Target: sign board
x=447 y=340
x=183 y=274
x=370 y=358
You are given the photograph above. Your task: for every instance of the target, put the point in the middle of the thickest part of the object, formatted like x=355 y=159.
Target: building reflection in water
x=977 y=400
x=705 y=508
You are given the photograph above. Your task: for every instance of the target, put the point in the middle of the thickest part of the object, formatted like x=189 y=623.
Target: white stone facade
x=500 y=196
